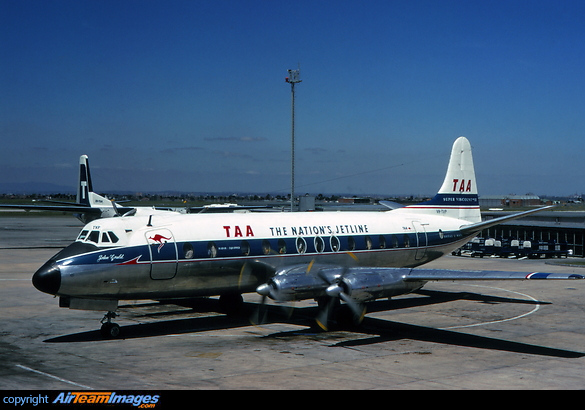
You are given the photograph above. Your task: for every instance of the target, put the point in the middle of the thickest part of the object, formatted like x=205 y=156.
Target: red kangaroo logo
x=158 y=238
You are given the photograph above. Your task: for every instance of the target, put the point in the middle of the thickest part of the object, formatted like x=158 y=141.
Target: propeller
x=266 y=290
x=336 y=291
x=256 y=318
x=332 y=285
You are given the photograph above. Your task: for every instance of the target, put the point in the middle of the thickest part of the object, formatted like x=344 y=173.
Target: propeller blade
x=337 y=291
x=257 y=318
x=245 y=273
x=267 y=290
x=353 y=256
x=358 y=310
x=287 y=310
x=322 y=318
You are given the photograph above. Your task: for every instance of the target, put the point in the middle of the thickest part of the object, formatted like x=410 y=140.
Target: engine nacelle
x=361 y=284
x=299 y=283
x=365 y=284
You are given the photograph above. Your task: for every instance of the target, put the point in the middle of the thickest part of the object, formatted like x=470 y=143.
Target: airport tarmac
x=451 y=335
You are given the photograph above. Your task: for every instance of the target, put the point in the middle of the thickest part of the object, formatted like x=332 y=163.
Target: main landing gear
x=110 y=330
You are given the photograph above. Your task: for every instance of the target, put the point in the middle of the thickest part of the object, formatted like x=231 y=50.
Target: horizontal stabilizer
x=476 y=227
x=391 y=205
x=445 y=274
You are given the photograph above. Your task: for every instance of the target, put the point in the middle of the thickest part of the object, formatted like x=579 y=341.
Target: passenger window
x=281 y=246
x=245 y=248
x=319 y=244
x=368 y=243
x=301 y=245
x=334 y=243
x=188 y=250
x=394 y=240
x=212 y=250
x=266 y=247
x=350 y=243
x=406 y=241
x=382 y=242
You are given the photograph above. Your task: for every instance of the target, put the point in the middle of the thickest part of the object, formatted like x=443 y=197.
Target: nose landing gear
x=109 y=330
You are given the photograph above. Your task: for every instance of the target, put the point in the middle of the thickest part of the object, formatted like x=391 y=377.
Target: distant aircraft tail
x=85 y=194
x=84 y=186
x=458 y=197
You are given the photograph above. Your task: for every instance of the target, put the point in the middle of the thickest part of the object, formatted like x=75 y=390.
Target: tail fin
x=84 y=186
x=85 y=194
x=458 y=197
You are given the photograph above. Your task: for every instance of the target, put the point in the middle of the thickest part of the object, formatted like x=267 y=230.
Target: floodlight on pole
x=294 y=77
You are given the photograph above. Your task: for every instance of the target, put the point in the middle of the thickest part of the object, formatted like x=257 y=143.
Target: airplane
x=354 y=257
x=90 y=206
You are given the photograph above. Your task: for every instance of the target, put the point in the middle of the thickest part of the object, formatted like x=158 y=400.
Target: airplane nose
x=48 y=278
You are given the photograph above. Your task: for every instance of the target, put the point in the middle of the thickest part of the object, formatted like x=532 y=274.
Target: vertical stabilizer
x=460 y=178
x=85 y=194
x=84 y=186
x=458 y=196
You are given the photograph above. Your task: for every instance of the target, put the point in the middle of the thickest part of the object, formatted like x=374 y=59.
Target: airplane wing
x=227 y=208
x=367 y=283
x=357 y=285
x=59 y=208
x=445 y=274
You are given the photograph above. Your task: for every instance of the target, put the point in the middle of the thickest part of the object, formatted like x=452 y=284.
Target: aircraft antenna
x=294 y=77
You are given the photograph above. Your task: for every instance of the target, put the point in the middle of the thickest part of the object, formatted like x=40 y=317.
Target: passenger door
x=163 y=253
x=421 y=240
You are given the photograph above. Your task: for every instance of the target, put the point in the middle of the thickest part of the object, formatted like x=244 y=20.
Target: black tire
x=110 y=330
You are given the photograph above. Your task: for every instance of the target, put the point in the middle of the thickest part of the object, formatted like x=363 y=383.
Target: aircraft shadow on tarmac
x=381 y=330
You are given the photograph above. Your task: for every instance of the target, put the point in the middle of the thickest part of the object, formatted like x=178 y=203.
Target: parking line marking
x=53 y=377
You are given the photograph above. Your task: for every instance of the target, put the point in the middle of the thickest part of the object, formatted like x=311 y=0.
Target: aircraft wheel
x=110 y=330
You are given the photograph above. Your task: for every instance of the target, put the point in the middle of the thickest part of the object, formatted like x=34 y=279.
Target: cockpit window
x=108 y=237
x=113 y=237
x=94 y=236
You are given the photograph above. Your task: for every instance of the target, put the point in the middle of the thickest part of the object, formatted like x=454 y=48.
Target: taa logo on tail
x=462 y=186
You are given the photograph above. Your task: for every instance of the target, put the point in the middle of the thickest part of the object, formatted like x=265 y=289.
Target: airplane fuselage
x=170 y=255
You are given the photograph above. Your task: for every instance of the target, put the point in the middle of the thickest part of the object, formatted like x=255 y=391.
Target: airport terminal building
x=566 y=228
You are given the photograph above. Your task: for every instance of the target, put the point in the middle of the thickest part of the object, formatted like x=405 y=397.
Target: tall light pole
x=294 y=76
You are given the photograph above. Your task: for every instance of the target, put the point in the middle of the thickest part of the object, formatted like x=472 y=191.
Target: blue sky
x=190 y=95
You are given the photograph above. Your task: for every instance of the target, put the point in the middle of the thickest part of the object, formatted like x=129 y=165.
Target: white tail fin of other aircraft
x=458 y=196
